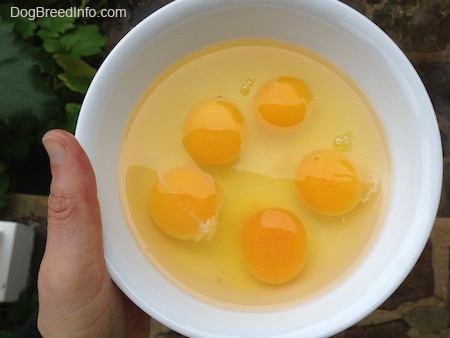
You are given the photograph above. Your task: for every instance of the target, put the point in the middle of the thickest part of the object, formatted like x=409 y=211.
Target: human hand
x=77 y=297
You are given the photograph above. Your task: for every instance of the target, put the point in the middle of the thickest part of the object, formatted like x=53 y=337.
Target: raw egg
x=214 y=132
x=274 y=245
x=329 y=182
x=283 y=102
x=184 y=203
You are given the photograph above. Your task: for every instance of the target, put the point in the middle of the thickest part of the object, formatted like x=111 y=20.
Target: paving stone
x=397 y=329
x=444 y=203
x=373 y=2
x=414 y=333
x=428 y=320
x=404 y=21
x=436 y=78
x=419 y=283
x=144 y=8
x=448 y=292
x=445 y=138
x=355 y=4
x=440 y=237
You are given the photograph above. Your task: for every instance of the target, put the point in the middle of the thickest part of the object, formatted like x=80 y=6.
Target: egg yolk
x=184 y=203
x=274 y=245
x=283 y=102
x=329 y=183
x=214 y=132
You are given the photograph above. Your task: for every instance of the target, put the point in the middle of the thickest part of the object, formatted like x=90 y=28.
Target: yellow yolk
x=214 y=132
x=184 y=203
x=329 y=183
x=283 y=102
x=274 y=245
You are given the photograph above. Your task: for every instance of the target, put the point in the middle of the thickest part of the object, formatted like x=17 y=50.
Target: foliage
x=20 y=79
x=46 y=66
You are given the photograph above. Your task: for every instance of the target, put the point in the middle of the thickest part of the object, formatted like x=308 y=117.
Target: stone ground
x=421 y=305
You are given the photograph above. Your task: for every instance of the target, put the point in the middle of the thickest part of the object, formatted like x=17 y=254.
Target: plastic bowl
x=369 y=58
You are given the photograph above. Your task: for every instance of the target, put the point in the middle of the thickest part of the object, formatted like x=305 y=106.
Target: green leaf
x=52 y=46
x=79 y=42
x=72 y=112
x=77 y=74
x=8 y=39
x=26 y=28
x=53 y=27
x=23 y=26
x=24 y=93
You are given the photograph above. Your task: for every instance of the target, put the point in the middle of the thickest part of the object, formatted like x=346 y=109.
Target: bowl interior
x=354 y=45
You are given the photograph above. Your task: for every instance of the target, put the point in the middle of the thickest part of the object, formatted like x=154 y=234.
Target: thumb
x=73 y=269
x=74 y=222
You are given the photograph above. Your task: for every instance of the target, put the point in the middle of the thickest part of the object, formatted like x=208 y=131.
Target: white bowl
x=365 y=54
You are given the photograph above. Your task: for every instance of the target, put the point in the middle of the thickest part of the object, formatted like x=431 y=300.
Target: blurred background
x=46 y=65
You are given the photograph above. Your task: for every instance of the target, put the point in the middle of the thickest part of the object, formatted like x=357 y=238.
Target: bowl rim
x=430 y=172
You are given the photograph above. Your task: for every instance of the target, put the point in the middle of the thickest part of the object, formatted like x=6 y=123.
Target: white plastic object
x=16 y=247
